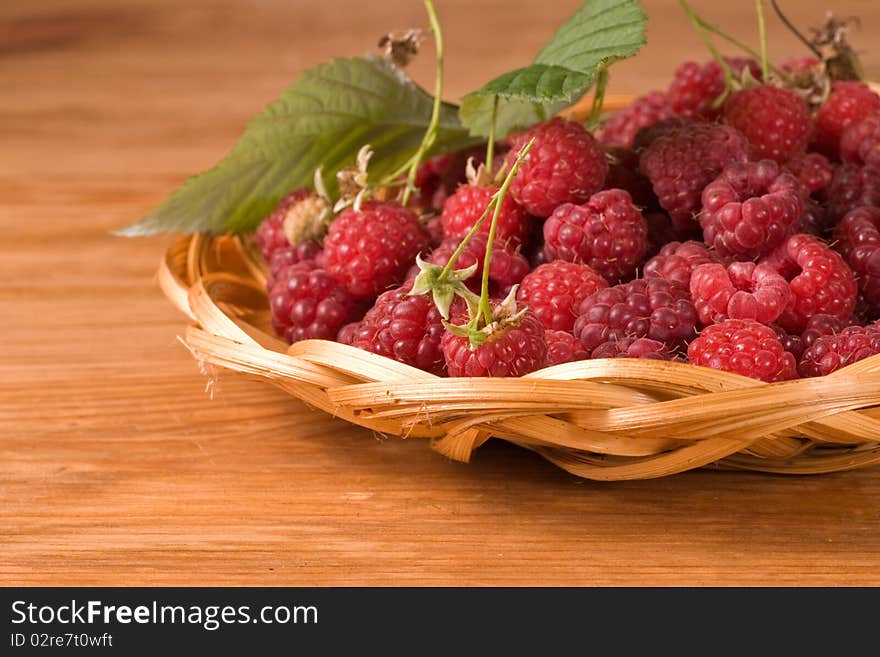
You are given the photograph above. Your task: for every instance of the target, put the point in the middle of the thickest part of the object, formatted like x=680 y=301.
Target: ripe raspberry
x=506 y=267
x=644 y=308
x=748 y=209
x=633 y=348
x=462 y=210
x=813 y=170
x=405 y=328
x=647 y=135
x=745 y=347
x=695 y=88
x=563 y=347
x=371 y=250
x=847 y=103
x=831 y=352
x=434 y=228
x=565 y=165
x=677 y=261
x=858 y=240
x=554 y=292
x=309 y=303
x=621 y=128
x=742 y=291
x=346 y=333
x=819 y=326
x=813 y=220
x=681 y=162
x=860 y=141
x=623 y=173
x=853 y=187
x=512 y=350
x=270 y=235
x=775 y=121
x=608 y=233
x=792 y=343
x=307 y=253
x=820 y=281
x=440 y=175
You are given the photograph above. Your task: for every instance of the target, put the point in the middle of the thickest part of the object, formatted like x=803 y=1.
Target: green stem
x=598 y=97
x=447 y=269
x=490 y=147
x=431 y=132
x=699 y=27
x=762 y=36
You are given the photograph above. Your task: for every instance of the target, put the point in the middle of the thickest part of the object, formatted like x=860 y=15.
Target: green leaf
x=321 y=120
x=599 y=33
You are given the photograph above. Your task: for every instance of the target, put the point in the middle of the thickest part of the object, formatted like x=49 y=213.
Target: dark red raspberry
x=405 y=328
x=813 y=170
x=307 y=253
x=270 y=235
x=462 y=210
x=554 y=292
x=565 y=165
x=695 y=87
x=819 y=278
x=776 y=121
x=346 y=333
x=848 y=102
x=742 y=291
x=681 y=162
x=623 y=173
x=858 y=240
x=633 y=348
x=749 y=208
x=831 y=352
x=608 y=233
x=372 y=249
x=512 y=350
x=563 y=347
x=853 y=187
x=745 y=347
x=440 y=175
x=792 y=343
x=813 y=220
x=860 y=141
x=647 y=135
x=621 y=128
x=309 y=303
x=819 y=326
x=434 y=228
x=644 y=308
x=677 y=261
x=506 y=267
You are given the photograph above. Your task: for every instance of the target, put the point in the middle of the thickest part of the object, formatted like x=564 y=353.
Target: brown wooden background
x=115 y=466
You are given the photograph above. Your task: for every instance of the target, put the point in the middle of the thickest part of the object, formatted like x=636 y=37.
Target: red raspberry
x=853 y=187
x=565 y=165
x=633 y=348
x=439 y=176
x=563 y=347
x=681 y=162
x=831 y=352
x=462 y=210
x=677 y=261
x=742 y=291
x=792 y=343
x=858 y=240
x=695 y=88
x=405 y=328
x=647 y=135
x=621 y=128
x=860 y=141
x=307 y=253
x=848 y=102
x=346 y=333
x=745 y=347
x=608 y=233
x=512 y=350
x=813 y=170
x=623 y=173
x=819 y=326
x=775 y=121
x=813 y=219
x=371 y=249
x=749 y=208
x=270 y=235
x=434 y=228
x=644 y=308
x=554 y=292
x=309 y=303
x=506 y=267
x=820 y=281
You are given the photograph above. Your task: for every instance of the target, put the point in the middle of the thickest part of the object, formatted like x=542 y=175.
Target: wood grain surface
x=118 y=468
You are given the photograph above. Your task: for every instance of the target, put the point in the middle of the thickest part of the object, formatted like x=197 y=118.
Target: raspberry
x=633 y=348
x=623 y=173
x=819 y=326
x=270 y=235
x=371 y=249
x=608 y=233
x=813 y=170
x=309 y=303
x=554 y=292
x=858 y=240
x=775 y=121
x=660 y=232
x=644 y=308
x=800 y=66
x=506 y=267
x=853 y=187
x=748 y=209
x=621 y=128
x=346 y=333
x=792 y=343
x=563 y=347
x=847 y=103
x=819 y=279
x=405 y=328
x=860 y=141
x=647 y=135
x=462 y=210
x=434 y=228
x=831 y=352
x=813 y=219
x=306 y=253
x=745 y=347
x=677 y=261
x=742 y=291
x=512 y=350
x=681 y=162
x=695 y=88
x=565 y=165
x=439 y=176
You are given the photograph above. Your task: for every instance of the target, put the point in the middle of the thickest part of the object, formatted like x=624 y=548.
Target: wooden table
x=117 y=468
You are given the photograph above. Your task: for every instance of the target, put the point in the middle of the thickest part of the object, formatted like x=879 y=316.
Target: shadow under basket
x=600 y=419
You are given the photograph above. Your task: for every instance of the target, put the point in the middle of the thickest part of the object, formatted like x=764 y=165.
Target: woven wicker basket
x=600 y=419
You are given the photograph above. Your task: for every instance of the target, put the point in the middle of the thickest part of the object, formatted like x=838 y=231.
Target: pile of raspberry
x=734 y=230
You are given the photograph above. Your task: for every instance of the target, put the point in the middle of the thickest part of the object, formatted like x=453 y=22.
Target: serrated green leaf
x=476 y=113
x=322 y=119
